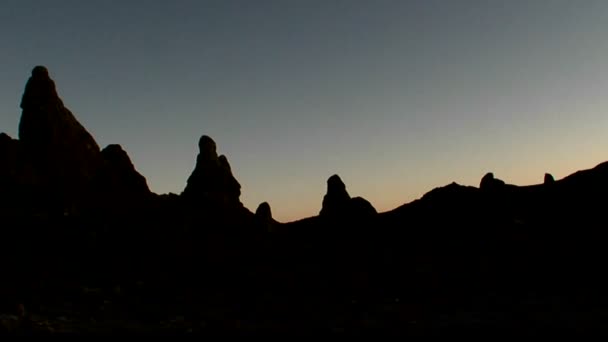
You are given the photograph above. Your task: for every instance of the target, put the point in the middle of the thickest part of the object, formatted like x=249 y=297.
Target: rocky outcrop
x=489 y=183
x=212 y=181
x=64 y=155
x=548 y=179
x=263 y=217
x=263 y=212
x=336 y=199
x=338 y=203
x=362 y=207
x=118 y=176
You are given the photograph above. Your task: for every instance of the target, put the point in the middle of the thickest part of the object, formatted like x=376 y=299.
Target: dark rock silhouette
x=9 y=158
x=548 y=179
x=362 y=207
x=212 y=181
x=263 y=217
x=125 y=259
x=336 y=199
x=489 y=183
x=64 y=155
x=263 y=212
x=119 y=173
x=342 y=210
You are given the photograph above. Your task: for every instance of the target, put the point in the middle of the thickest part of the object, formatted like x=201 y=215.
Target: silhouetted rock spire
x=263 y=217
x=336 y=199
x=338 y=203
x=549 y=179
x=212 y=180
x=65 y=155
x=263 y=212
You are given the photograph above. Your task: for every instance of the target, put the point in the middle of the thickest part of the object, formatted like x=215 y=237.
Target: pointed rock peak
x=39 y=90
x=207 y=147
x=64 y=153
x=118 y=174
x=549 y=178
x=212 y=179
x=263 y=218
x=263 y=212
x=336 y=198
x=336 y=185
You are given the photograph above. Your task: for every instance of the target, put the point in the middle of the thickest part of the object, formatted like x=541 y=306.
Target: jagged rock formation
x=337 y=201
x=117 y=184
x=548 y=179
x=57 y=163
x=212 y=181
x=64 y=154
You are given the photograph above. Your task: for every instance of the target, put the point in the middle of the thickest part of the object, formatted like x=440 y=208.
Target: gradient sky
x=397 y=97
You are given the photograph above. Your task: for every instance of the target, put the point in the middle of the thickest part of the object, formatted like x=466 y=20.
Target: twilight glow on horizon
x=397 y=97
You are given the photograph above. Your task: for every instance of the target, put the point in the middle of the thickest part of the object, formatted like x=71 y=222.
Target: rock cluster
x=57 y=159
x=212 y=181
x=338 y=203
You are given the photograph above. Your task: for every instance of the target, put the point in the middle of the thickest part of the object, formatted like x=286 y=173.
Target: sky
x=397 y=97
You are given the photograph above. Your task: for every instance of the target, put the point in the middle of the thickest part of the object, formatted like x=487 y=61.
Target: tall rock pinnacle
x=62 y=149
x=212 y=180
x=337 y=203
x=337 y=198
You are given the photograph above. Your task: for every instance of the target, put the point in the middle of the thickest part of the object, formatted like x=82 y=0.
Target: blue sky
x=397 y=97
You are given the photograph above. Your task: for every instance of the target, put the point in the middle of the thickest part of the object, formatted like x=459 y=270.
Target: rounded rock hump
x=486 y=180
x=263 y=212
x=548 y=179
x=489 y=183
x=263 y=218
x=40 y=71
